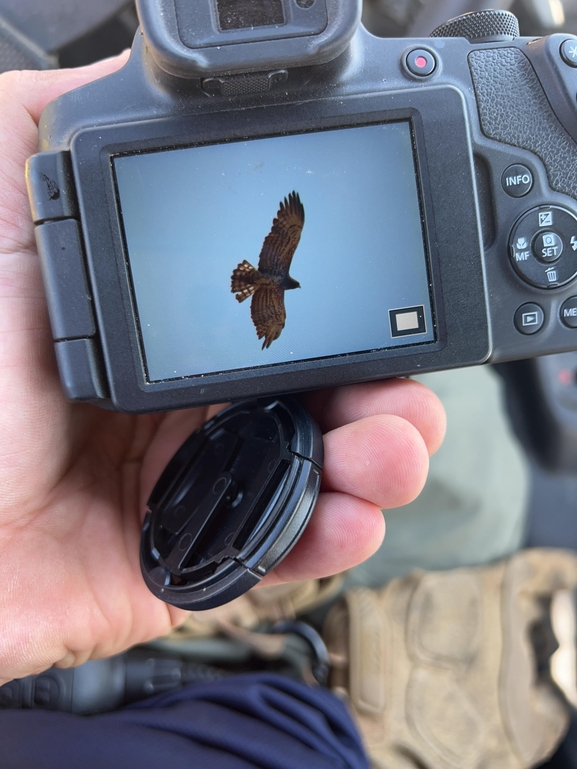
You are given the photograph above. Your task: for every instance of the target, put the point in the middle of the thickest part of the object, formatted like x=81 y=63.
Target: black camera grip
x=514 y=109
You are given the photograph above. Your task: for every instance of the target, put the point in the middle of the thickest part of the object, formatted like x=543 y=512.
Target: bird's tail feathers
x=243 y=281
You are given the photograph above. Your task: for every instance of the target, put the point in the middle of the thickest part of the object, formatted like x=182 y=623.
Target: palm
x=73 y=476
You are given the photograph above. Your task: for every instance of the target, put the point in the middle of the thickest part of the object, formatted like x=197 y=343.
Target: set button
x=543 y=247
x=548 y=246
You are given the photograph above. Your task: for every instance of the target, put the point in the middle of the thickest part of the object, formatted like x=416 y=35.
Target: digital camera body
x=422 y=194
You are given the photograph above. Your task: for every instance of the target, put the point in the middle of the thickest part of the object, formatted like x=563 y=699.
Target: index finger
x=398 y=397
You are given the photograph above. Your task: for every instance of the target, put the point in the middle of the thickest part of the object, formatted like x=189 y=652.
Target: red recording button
x=421 y=62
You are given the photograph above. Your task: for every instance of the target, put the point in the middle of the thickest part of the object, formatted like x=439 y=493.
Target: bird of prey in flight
x=268 y=283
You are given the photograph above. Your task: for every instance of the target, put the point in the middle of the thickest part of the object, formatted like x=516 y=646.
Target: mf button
x=569 y=312
x=529 y=318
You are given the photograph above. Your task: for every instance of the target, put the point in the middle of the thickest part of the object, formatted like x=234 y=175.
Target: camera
x=267 y=199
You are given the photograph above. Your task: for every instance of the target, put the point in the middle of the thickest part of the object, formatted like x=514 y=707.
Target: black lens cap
x=231 y=503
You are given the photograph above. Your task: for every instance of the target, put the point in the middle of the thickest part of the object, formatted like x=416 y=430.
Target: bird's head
x=293 y=283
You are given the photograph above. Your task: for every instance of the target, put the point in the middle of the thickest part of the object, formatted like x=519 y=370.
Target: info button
x=517 y=180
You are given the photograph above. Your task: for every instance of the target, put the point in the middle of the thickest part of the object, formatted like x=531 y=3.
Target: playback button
x=529 y=318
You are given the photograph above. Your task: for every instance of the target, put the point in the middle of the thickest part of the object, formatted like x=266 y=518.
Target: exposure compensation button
x=543 y=246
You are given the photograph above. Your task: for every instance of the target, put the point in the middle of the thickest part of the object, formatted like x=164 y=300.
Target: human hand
x=74 y=479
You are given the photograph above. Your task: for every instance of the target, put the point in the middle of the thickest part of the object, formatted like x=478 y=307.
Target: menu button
x=569 y=312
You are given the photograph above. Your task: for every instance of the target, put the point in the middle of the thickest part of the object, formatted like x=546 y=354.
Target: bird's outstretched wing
x=281 y=243
x=268 y=313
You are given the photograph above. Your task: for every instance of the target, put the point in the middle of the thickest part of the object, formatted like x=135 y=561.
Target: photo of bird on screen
x=267 y=284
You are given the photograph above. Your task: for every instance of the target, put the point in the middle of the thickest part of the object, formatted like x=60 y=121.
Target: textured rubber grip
x=514 y=109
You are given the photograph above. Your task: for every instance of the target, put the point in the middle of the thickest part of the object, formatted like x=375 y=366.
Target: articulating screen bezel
x=444 y=163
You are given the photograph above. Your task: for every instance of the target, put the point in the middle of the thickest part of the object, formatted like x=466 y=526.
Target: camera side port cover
x=231 y=503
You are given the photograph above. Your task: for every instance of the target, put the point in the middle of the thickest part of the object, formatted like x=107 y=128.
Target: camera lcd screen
x=266 y=251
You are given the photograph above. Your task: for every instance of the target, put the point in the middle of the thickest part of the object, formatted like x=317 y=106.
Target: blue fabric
x=257 y=720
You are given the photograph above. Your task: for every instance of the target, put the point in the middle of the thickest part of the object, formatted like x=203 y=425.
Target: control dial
x=543 y=246
x=481 y=27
